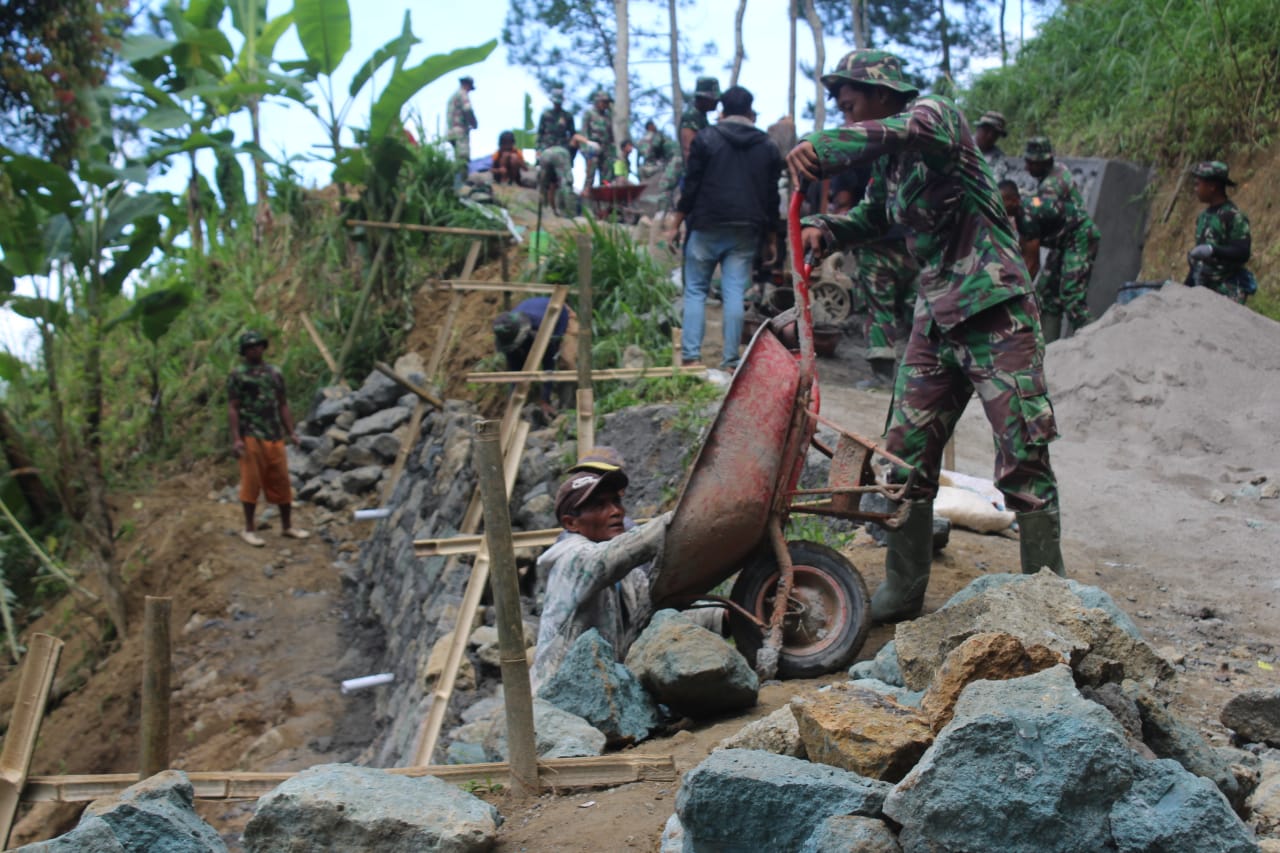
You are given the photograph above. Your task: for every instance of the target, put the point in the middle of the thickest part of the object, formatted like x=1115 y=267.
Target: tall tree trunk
x=859 y=10
x=677 y=95
x=622 y=76
x=944 y=38
x=24 y=470
x=791 y=80
x=262 y=214
x=194 y=217
x=819 y=63
x=738 y=52
x=1004 y=45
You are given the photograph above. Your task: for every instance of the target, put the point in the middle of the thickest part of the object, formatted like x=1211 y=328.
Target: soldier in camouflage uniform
x=557 y=141
x=1223 y=242
x=258 y=412
x=597 y=126
x=597 y=575
x=987 y=133
x=976 y=324
x=656 y=151
x=462 y=120
x=1061 y=293
x=1072 y=239
x=706 y=94
x=1054 y=178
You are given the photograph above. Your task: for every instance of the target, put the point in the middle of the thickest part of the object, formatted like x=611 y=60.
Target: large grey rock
x=778 y=733
x=1169 y=736
x=360 y=480
x=690 y=669
x=1025 y=766
x=884 y=667
x=341 y=807
x=386 y=446
x=747 y=800
x=360 y=456
x=593 y=685
x=1264 y=802
x=1090 y=596
x=1254 y=716
x=377 y=392
x=329 y=409
x=381 y=421
x=844 y=833
x=1040 y=609
x=156 y=815
x=1169 y=809
x=558 y=734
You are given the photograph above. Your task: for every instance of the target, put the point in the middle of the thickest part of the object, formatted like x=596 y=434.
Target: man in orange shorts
x=259 y=414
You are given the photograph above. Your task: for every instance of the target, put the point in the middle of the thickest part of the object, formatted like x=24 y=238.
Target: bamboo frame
x=427 y=229
x=34 y=684
x=572 y=375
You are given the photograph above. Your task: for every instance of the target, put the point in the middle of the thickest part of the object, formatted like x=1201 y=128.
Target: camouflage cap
x=252 y=338
x=707 y=87
x=602 y=93
x=1039 y=150
x=1213 y=170
x=995 y=121
x=510 y=330
x=870 y=68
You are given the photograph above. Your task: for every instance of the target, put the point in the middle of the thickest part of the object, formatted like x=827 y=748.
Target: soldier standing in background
x=1072 y=239
x=1054 y=178
x=1223 y=242
x=706 y=94
x=1056 y=183
x=597 y=126
x=557 y=142
x=462 y=120
x=987 y=133
x=977 y=322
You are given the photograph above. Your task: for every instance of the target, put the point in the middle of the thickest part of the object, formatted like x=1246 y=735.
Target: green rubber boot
x=1039 y=540
x=1051 y=325
x=906 y=567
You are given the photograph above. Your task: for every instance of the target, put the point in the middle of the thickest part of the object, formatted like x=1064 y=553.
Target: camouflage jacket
x=693 y=119
x=656 y=148
x=1051 y=220
x=1225 y=228
x=259 y=389
x=555 y=127
x=601 y=585
x=1060 y=183
x=598 y=127
x=929 y=177
x=461 y=117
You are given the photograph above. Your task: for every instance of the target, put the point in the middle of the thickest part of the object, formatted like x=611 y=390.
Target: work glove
x=1201 y=253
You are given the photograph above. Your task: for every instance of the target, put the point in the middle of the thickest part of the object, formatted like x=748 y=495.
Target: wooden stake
x=517 y=695
x=520 y=394
x=406 y=447
x=34 y=685
x=586 y=392
x=155 y=686
x=572 y=375
x=677 y=341
x=451 y=316
x=540 y=288
x=319 y=342
x=408 y=384
x=427 y=229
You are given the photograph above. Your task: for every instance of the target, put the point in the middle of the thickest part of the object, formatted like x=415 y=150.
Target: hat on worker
x=578 y=488
x=601 y=459
x=602 y=93
x=707 y=87
x=1039 y=150
x=467 y=81
x=510 y=330
x=252 y=338
x=1213 y=170
x=870 y=68
x=995 y=121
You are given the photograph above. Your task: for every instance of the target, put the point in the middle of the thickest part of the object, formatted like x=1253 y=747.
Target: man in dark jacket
x=730 y=200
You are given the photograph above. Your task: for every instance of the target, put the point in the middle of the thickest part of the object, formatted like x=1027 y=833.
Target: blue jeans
x=734 y=248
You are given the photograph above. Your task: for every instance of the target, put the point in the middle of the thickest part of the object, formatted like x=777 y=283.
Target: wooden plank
x=594 y=772
x=451 y=316
x=572 y=375
x=408 y=384
x=156 y=662
x=319 y=342
x=471 y=544
x=428 y=229
x=34 y=685
x=495 y=286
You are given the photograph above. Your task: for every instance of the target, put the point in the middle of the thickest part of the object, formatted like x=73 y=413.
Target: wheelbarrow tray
x=615 y=193
x=724 y=504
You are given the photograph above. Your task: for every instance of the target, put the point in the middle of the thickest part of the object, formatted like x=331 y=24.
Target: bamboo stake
x=677 y=341
x=586 y=393
x=316 y=339
x=156 y=659
x=34 y=685
x=451 y=315
x=520 y=394
x=407 y=383
x=426 y=229
x=448 y=546
x=517 y=694
x=484 y=378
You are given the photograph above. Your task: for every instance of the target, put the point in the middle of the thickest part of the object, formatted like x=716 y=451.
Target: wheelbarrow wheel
x=828 y=615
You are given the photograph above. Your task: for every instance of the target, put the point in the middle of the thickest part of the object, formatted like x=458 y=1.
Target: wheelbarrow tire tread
x=815 y=564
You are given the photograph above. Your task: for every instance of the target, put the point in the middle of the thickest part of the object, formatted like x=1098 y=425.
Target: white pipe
x=353 y=684
x=372 y=514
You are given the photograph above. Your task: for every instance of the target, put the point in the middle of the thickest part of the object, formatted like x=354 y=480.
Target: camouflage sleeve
x=277 y=380
x=925 y=127
x=868 y=220
x=1239 y=241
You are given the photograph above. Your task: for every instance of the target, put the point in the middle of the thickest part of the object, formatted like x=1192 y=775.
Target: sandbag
x=971 y=511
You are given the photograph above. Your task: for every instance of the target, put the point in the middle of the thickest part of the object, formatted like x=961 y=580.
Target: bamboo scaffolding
x=34 y=684
x=572 y=375
x=428 y=229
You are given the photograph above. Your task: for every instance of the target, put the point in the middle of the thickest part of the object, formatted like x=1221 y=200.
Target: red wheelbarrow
x=615 y=201
x=797 y=609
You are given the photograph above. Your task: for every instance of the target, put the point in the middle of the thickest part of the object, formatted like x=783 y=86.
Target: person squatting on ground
x=1072 y=239
x=513 y=334
x=597 y=126
x=1223 y=242
x=258 y=412
x=557 y=142
x=508 y=161
x=730 y=200
x=976 y=325
x=598 y=574
x=1064 y=294
x=462 y=120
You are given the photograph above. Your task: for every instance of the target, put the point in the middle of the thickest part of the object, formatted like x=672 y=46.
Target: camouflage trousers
x=886 y=274
x=1063 y=285
x=999 y=354
x=1228 y=287
x=460 y=139
x=670 y=183
x=555 y=169
x=600 y=166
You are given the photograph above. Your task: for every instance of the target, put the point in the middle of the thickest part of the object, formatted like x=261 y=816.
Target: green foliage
x=814 y=528
x=1150 y=80
x=633 y=299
